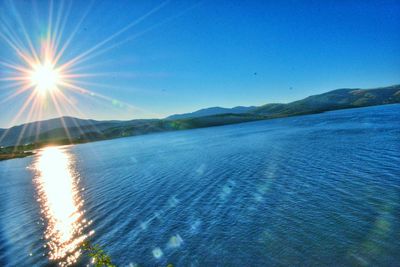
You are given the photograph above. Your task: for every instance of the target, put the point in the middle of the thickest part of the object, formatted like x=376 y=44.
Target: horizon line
x=109 y=120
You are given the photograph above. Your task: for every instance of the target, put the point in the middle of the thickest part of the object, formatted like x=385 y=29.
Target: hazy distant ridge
x=212 y=111
x=74 y=130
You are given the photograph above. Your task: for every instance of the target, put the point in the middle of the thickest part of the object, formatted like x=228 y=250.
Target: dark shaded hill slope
x=72 y=130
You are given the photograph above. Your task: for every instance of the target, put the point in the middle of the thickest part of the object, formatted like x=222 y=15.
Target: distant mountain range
x=212 y=111
x=332 y=100
x=67 y=130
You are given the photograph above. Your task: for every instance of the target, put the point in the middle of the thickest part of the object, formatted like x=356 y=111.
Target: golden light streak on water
x=61 y=205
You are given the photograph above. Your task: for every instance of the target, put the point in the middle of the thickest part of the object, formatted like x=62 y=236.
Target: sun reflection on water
x=61 y=205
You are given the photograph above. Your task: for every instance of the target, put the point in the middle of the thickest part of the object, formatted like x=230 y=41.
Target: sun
x=45 y=77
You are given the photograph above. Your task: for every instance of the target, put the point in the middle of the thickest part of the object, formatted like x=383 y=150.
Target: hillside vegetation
x=68 y=130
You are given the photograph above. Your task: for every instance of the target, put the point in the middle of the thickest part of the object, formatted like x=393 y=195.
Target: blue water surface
x=316 y=190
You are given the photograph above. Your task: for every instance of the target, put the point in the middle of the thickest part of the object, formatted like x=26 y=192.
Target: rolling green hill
x=67 y=130
x=337 y=99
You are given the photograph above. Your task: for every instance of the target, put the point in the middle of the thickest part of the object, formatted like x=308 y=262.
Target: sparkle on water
x=318 y=190
x=61 y=205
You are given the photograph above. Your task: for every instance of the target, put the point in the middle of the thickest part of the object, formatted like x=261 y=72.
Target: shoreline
x=22 y=151
x=16 y=155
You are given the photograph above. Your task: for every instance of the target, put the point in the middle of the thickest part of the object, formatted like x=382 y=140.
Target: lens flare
x=51 y=74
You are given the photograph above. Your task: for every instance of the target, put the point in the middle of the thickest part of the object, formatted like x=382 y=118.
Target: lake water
x=312 y=190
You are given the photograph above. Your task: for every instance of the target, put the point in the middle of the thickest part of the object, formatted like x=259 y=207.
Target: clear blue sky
x=188 y=55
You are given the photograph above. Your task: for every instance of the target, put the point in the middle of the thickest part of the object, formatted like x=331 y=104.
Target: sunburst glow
x=52 y=80
x=45 y=77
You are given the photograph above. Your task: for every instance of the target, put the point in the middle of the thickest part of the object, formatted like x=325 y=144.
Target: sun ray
x=50 y=81
x=41 y=66
x=20 y=112
x=60 y=22
x=10 y=37
x=25 y=33
x=91 y=53
x=89 y=66
x=100 y=85
x=60 y=113
x=29 y=118
x=79 y=89
x=16 y=93
x=12 y=85
x=40 y=114
x=15 y=78
x=133 y=37
x=18 y=50
x=72 y=106
x=74 y=32
x=50 y=21
x=15 y=67
x=82 y=75
x=81 y=57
